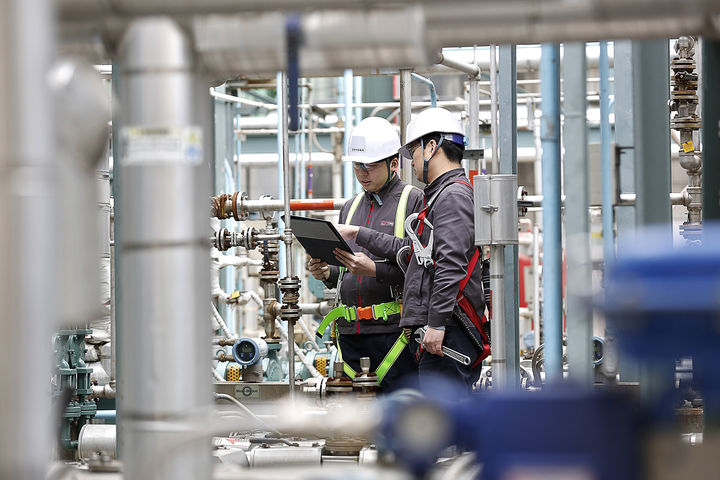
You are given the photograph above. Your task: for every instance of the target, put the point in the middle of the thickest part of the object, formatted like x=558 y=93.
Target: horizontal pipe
x=244 y=101
x=469 y=68
x=321 y=308
x=625 y=200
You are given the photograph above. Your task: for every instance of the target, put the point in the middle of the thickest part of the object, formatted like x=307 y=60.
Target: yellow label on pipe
x=688 y=146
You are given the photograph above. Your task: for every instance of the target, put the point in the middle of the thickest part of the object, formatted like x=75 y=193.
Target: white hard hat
x=372 y=140
x=434 y=119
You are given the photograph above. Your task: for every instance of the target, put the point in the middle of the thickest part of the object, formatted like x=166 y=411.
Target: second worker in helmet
x=367 y=322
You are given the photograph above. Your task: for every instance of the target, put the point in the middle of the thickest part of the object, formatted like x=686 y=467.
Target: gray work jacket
x=429 y=295
x=363 y=291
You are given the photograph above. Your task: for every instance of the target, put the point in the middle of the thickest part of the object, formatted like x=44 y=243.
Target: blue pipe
x=430 y=85
x=348 y=175
x=552 y=231
x=108 y=416
x=605 y=159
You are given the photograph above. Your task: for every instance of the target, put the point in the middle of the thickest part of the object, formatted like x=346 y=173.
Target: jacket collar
x=447 y=177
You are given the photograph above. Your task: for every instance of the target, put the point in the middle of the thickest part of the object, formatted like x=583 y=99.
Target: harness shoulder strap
x=353 y=207
x=401 y=211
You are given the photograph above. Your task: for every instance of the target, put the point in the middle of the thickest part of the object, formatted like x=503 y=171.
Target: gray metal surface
x=507 y=164
x=577 y=221
x=496 y=212
x=95 y=439
x=651 y=86
x=27 y=261
x=405 y=113
x=162 y=260
x=711 y=130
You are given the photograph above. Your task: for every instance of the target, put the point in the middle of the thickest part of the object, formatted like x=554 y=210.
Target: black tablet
x=319 y=238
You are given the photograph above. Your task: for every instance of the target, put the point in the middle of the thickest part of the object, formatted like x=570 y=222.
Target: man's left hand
x=356 y=263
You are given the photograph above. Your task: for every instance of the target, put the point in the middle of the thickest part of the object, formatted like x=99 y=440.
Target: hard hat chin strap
x=426 y=162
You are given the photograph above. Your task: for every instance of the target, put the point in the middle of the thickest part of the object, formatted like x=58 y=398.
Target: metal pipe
x=577 y=230
x=287 y=233
x=507 y=164
x=348 y=175
x=497 y=286
x=430 y=85
x=298 y=351
x=27 y=176
x=321 y=308
x=163 y=263
x=468 y=68
x=493 y=110
x=243 y=101
x=536 y=286
x=473 y=131
x=552 y=227
x=608 y=220
x=405 y=114
x=98 y=438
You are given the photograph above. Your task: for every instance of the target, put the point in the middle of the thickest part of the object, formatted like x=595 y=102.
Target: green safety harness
x=376 y=312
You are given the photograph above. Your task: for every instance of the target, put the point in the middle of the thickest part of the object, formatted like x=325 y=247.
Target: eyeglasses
x=367 y=167
x=407 y=151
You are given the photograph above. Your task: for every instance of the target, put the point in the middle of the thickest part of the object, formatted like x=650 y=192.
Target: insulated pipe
x=163 y=263
x=431 y=86
x=469 y=68
x=405 y=114
x=552 y=228
x=577 y=230
x=507 y=164
x=498 y=346
x=27 y=264
x=605 y=157
x=348 y=176
x=473 y=131
x=493 y=110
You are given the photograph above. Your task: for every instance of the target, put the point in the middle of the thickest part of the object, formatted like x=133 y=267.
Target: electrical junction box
x=496 y=213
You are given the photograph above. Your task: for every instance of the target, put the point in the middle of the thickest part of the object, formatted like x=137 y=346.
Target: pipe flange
x=234 y=206
x=222 y=213
x=289 y=313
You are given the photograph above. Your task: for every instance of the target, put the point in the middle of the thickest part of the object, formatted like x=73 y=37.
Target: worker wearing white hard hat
x=367 y=322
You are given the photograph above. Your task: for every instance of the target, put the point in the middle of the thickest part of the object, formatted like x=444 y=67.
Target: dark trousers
x=433 y=366
x=376 y=346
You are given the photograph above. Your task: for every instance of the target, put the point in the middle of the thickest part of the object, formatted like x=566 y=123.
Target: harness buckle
x=365 y=313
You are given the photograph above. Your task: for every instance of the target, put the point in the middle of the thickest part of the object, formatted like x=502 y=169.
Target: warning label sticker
x=159 y=145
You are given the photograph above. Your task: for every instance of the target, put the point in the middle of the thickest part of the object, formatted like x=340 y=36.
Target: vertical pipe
x=652 y=131
x=552 y=241
x=499 y=347
x=711 y=127
x=577 y=231
x=281 y=144
x=27 y=265
x=473 y=132
x=163 y=264
x=282 y=113
x=349 y=183
x=651 y=87
x=507 y=164
x=605 y=158
x=536 y=286
x=405 y=114
x=493 y=110
x=624 y=215
x=431 y=86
